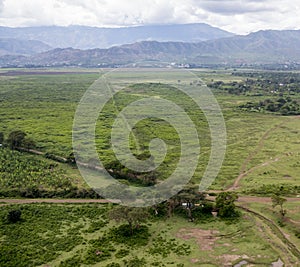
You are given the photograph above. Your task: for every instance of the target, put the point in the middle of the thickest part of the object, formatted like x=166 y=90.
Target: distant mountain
x=262 y=47
x=9 y=46
x=83 y=37
x=259 y=47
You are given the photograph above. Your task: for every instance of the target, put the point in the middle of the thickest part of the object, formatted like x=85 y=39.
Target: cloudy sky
x=238 y=16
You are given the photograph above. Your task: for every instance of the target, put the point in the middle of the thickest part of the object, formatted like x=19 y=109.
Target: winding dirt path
x=244 y=172
x=236 y=183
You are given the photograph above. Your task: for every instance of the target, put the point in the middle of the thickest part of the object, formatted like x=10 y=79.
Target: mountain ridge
x=262 y=47
x=12 y=46
x=84 y=37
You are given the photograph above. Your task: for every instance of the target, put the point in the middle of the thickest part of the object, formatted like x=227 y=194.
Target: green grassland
x=81 y=235
x=290 y=224
x=44 y=105
x=264 y=146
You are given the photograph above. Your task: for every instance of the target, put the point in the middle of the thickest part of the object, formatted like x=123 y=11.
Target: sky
x=237 y=16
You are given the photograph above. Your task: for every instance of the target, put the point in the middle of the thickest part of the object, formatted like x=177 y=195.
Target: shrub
x=135 y=262
x=14 y=216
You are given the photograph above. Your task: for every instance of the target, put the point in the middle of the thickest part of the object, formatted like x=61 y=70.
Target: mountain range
x=262 y=47
x=83 y=37
x=11 y=46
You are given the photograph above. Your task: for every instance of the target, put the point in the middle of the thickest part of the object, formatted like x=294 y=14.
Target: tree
x=14 y=216
x=225 y=204
x=15 y=139
x=133 y=216
x=190 y=195
x=277 y=200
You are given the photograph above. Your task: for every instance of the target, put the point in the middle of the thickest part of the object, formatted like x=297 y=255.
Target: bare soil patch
x=205 y=239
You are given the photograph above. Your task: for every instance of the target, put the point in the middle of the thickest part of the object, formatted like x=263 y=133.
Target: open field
x=43 y=106
x=81 y=235
x=290 y=225
x=262 y=158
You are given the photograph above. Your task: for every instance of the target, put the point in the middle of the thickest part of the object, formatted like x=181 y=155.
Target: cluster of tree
x=271 y=189
x=285 y=78
x=261 y=83
x=36 y=192
x=17 y=139
x=118 y=171
x=284 y=106
x=188 y=201
x=235 y=88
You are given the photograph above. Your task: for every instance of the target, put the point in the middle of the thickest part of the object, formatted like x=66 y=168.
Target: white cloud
x=240 y=16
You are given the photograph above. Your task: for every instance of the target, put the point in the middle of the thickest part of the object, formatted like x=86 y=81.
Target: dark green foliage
x=204 y=211
x=269 y=190
x=133 y=216
x=283 y=106
x=159 y=210
x=1 y=138
x=122 y=253
x=14 y=216
x=261 y=83
x=123 y=235
x=164 y=247
x=135 y=262
x=113 y=265
x=118 y=171
x=71 y=262
x=281 y=87
x=15 y=139
x=225 y=205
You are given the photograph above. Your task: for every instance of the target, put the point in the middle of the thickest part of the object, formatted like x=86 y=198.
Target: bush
x=122 y=253
x=135 y=262
x=123 y=235
x=14 y=216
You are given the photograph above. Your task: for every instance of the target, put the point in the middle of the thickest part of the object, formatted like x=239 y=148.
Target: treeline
x=283 y=106
x=261 y=83
x=37 y=192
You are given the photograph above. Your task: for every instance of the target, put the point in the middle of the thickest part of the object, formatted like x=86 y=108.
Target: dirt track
x=242 y=199
x=244 y=172
x=53 y=200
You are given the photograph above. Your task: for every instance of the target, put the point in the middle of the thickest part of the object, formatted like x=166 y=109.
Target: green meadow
x=265 y=144
x=262 y=158
x=82 y=235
